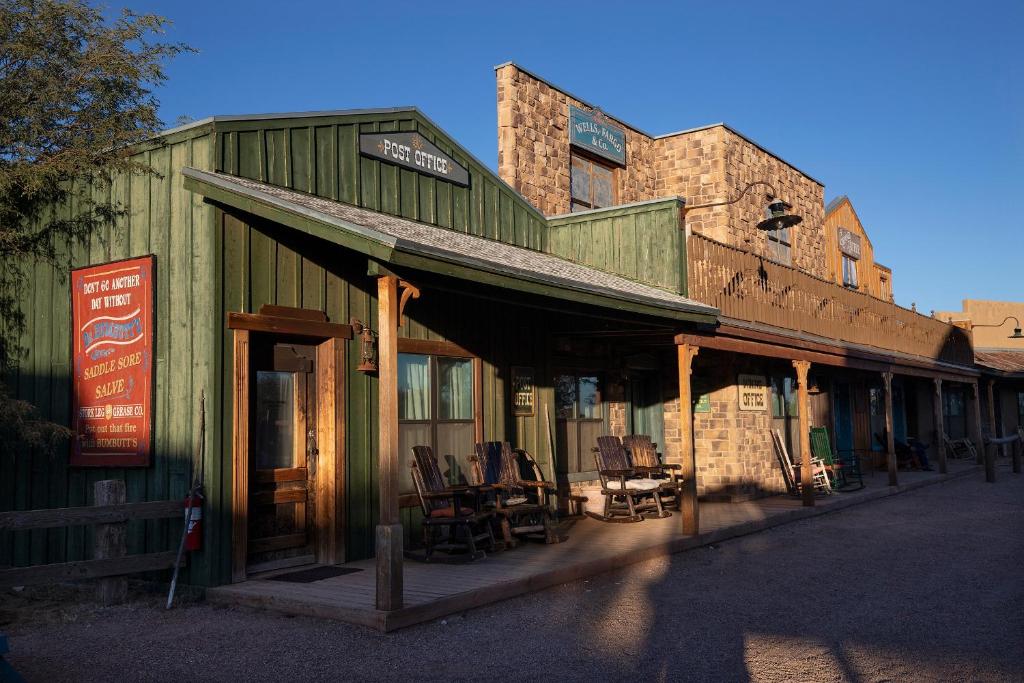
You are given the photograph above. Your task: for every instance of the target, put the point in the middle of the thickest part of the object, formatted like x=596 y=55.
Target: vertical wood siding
x=163 y=219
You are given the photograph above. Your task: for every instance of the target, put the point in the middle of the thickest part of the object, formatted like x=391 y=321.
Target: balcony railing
x=749 y=287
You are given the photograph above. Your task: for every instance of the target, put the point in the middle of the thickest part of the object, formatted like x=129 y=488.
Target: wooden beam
x=974 y=417
x=299 y=327
x=890 y=438
x=18 y=520
x=327 y=375
x=940 y=428
x=433 y=348
x=803 y=398
x=389 y=535
x=110 y=541
x=240 y=455
x=87 y=569
x=689 y=508
x=990 y=448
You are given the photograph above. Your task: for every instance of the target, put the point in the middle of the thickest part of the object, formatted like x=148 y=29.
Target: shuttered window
x=592 y=184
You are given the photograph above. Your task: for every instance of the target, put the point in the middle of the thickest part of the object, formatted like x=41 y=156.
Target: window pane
x=409 y=435
x=792 y=400
x=602 y=186
x=589 y=398
x=413 y=387
x=565 y=396
x=455 y=391
x=454 y=446
x=877 y=401
x=275 y=420
x=778 y=401
x=580 y=181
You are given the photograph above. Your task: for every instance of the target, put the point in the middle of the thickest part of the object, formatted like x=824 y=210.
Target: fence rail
x=750 y=287
x=110 y=518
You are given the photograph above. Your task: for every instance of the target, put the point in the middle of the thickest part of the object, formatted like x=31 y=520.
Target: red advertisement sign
x=112 y=345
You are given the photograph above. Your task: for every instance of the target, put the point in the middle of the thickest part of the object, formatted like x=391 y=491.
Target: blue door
x=843 y=410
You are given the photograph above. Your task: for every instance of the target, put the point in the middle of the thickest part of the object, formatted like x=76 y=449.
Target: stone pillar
x=940 y=428
x=689 y=510
x=890 y=438
x=389 y=529
x=806 y=474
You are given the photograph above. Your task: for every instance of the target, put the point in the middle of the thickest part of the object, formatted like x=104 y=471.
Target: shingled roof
x=387 y=237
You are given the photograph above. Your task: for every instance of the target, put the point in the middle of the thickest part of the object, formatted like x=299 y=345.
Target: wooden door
x=283 y=438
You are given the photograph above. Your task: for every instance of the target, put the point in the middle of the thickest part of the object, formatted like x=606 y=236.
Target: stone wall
x=702 y=165
x=533 y=144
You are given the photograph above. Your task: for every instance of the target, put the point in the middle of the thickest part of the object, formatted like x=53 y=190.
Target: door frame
x=312 y=327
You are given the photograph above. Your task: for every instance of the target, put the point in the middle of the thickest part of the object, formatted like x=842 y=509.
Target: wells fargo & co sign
x=112 y=346
x=592 y=132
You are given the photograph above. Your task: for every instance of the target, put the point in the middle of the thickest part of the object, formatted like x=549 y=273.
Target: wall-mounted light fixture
x=367 y=346
x=776 y=210
x=1016 y=331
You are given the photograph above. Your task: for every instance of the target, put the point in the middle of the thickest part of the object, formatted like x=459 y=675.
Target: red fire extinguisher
x=194 y=521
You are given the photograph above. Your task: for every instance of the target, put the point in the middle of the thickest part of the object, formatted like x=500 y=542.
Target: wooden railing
x=750 y=287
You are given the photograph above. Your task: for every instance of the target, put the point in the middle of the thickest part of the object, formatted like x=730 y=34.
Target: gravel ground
x=925 y=586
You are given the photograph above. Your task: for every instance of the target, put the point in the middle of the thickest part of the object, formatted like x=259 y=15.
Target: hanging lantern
x=367 y=347
x=777 y=216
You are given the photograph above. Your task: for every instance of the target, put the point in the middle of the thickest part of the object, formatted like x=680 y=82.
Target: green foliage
x=76 y=93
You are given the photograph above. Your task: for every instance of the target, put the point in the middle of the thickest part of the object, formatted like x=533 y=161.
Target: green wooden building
x=277 y=239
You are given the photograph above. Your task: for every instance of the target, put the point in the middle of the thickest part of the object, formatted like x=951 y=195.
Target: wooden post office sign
x=753 y=392
x=415 y=152
x=524 y=391
x=112 y=348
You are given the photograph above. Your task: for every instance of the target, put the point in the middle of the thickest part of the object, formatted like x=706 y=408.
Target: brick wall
x=703 y=166
x=533 y=144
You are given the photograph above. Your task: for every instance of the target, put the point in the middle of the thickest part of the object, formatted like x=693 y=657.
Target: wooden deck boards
x=434 y=590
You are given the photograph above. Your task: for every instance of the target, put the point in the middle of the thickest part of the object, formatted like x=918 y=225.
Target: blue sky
x=913 y=109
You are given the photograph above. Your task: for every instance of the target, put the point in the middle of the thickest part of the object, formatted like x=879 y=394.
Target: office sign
x=112 y=348
x=592 y=132
x=524 y=392
x=415 y=152
x=753 y=392
x=849 y=243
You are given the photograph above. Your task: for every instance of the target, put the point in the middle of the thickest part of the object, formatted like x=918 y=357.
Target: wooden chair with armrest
x=521 y=506
x=453 y=520
x=643 y=454
x=627 y=494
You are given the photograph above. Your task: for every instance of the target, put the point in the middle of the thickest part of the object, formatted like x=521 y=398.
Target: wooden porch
x=434 y=590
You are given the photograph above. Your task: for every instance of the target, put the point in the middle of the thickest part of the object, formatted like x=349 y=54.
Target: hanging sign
x=849 y=243
x=592 y=132
x=112 y=347
x=523 y=391
x=752 y=392
x=415 y=152
x=702 y=404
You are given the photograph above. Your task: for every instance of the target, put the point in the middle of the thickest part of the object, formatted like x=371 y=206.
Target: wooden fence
x=110 y=517
x=750 y=287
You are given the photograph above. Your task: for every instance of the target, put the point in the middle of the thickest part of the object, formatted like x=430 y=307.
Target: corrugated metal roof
x=1003 y=360
x=479 y=253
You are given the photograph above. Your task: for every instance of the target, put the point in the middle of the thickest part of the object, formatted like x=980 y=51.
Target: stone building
x=632 y=196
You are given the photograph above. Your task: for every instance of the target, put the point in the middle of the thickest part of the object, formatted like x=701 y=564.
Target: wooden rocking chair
x=960 y=448
x=449 y=524
x=819 y=475
x=520 y=506
x=844 y=473
x=625 y=495
x=644 y=455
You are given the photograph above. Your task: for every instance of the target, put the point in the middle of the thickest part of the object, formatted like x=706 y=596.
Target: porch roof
x=1003 y=362
x=403 y=242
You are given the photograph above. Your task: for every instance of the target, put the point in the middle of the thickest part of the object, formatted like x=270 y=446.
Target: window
x=579 y=421
x=786 y=411
x=780 y=246
x=884 y=290
x=1020 y=408
x=849 y=272
x=435 y=408
x=592 y=185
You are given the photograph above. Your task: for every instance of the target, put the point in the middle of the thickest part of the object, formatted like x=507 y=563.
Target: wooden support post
x=806 y=474
x=689 y=509
x=974 y=416
x=890 y=438
x=110 y=541
x=940 y=428
x=389 y=528
x=990 y=448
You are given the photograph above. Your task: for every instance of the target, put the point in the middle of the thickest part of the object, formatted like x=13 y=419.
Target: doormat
x=315 y=574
